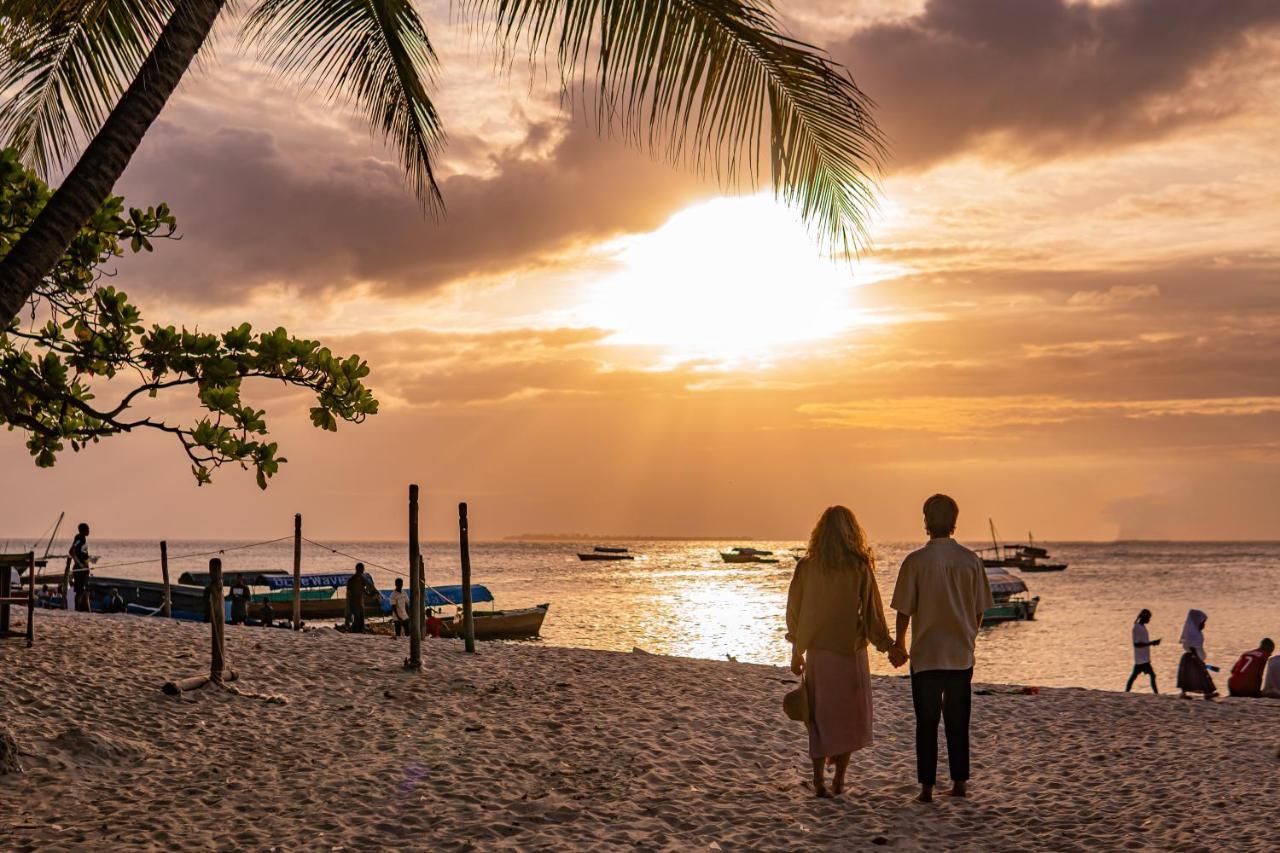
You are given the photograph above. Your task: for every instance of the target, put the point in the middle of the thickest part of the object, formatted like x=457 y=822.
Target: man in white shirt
x=400 y=608
x=1142 y=644
x=941 y=593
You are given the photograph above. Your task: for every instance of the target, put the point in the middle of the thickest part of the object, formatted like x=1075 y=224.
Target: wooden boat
x=602 y=549
x=319 y=601
x=145 y=598
x=521 y=624
x=1013 y=601
x=747 y=555
x=595 y=556
x=1024 y=558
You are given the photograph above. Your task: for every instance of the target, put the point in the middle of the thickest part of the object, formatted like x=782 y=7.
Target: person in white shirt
x=400 y=608
x=1271 y=681
x=1142 y=644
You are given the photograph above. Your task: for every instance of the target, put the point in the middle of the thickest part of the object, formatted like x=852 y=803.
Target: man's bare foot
x=957 y=789
x=925 y=795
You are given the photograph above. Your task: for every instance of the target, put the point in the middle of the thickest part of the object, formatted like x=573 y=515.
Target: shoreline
x=528 y=746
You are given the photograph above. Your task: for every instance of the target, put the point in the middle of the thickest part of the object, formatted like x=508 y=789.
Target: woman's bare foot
x=822 y=793
x=925 y=795
x=957 y=789
x=842 y=766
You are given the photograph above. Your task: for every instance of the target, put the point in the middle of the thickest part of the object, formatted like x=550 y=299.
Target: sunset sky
x=1069 y=319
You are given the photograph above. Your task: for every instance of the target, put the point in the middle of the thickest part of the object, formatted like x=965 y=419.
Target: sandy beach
x=530 y=747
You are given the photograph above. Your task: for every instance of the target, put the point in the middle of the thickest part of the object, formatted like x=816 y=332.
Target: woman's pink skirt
x=839 y=701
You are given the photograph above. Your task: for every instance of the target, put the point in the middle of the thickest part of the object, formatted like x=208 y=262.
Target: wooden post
x=166 y=609
x=66 y=586
x=217 y=621
x=416 y=592
x=31 y=598
x=468 y=623
x=297 y=571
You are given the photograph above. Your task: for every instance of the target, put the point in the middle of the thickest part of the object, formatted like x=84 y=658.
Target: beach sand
x=530 y=747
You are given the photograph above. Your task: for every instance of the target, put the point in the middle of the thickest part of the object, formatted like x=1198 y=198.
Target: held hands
x=898 y=655
x=797 y=662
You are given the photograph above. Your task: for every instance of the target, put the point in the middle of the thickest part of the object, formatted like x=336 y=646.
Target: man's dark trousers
x=941 y=693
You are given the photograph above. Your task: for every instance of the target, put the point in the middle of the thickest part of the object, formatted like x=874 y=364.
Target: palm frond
x=698 y=80
x=373 y=52
x=65 y=65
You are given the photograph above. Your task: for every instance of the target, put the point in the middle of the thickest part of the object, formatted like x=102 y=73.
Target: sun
x=727 y=282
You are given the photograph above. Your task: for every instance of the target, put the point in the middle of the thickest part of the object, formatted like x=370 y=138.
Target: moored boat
x=520 y=624
x=1024 y=558
x=1013 y=601
x=747 y=555
x=589 y=556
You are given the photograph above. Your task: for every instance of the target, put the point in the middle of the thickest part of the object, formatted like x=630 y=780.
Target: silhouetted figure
x=1142 y=644
x=115 y=602
x=434 y=624
x=80 y=560
x=1193 y=672
x=357 y=586
x=268 y=612
x=239 y=597
x=941 y=593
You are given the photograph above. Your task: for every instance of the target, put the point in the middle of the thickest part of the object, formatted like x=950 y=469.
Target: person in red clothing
x=435 y=624
x=1246 y=675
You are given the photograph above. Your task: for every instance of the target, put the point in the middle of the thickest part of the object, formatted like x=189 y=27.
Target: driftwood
x=219 y=672
x=195 y=682
x=8 y=754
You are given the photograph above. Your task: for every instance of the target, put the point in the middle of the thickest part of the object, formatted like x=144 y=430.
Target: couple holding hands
x=834 y=613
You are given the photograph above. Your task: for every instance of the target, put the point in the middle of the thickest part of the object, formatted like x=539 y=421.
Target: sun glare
x=730 y=281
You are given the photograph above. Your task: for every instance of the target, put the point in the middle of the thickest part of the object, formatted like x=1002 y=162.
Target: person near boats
x=1193 y=672
x=1271 y=681
x=80 y=561
x=115 y=602
x=268 y=612
x=833 y=612
x=357 y=586
x=1142 y=644
x=400 y=608
x=435 y=625
x=239 y=596
x=941 y=593
x=1246 y=675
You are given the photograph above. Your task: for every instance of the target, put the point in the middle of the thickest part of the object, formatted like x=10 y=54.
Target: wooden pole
x=31 y=598
x=66 y=586
x=468 y=623
x=416 y=592
x=166 y=609
x=297 y=571
x=217 y=621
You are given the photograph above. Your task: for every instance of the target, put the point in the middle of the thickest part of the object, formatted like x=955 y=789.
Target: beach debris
x=8 y=754
x=880 y=840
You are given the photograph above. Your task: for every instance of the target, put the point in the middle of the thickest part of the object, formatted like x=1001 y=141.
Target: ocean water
x=680 y=598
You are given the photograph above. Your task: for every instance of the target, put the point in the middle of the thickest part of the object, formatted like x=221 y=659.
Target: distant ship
x=601 y=552
x=747 y=555
x=1021 y=557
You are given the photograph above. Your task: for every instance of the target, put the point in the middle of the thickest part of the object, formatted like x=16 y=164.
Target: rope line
x=198 y=554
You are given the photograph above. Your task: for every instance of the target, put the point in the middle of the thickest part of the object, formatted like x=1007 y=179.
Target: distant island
x=627 y=537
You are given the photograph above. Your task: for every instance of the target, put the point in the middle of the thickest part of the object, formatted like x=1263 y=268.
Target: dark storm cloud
x=1044 y=78
x=252 y=213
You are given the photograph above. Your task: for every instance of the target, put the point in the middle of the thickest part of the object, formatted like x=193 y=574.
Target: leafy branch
x=81 y=339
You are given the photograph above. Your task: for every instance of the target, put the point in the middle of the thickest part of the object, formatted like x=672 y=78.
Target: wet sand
x=530 y=747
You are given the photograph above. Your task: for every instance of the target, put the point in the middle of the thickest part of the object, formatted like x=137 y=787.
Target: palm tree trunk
x=37 y=252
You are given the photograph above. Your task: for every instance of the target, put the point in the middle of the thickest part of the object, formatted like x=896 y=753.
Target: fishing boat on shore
x=317 y=591
x=518 y=624
x=747 y=555
x=1013 y=600
x=1024 y=558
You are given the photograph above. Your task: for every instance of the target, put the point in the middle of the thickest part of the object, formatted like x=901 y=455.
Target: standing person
x=941 y=592
x=1142 y=644
x=1271 y=681
x=400 y=608
x=1193 y=673
x=239 y=596
x=357 y=586
x=833 y=612
x=1246 y=675
x=80 y=560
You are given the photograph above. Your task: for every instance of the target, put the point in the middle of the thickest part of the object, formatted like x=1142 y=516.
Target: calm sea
x=679 y=598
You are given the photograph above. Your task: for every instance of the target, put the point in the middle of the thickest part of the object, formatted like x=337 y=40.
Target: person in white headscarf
x=1193 y=675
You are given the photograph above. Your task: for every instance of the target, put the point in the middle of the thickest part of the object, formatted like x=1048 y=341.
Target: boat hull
x=604 y=557
x=730 y=557
x=1011 y=610
x=522 y=624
